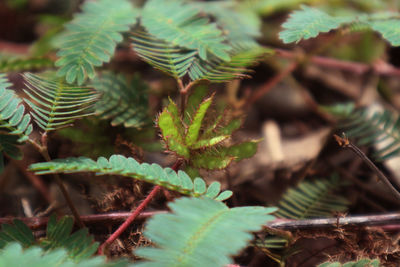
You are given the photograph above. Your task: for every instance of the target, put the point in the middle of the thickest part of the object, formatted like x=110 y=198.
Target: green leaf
x=171 y=130
x=14 y=255
x=389 y=29
x=200 y=232
x=124 y=102
x=204 y=143
x=241 y=151
x=195 y=125
x=120 y=165
x=359 y=263
x=232 y=126
x=312 y=200
x=25 y=64
x=380 y=129
x=180 y=24
x=162 y=55
x=210 y=160
x=15 y=125
x=217 y=71
x=194 y=101
x=18 y=232
x=91 y=37
x=56 y=104
x=308 y=23
x=79 y=245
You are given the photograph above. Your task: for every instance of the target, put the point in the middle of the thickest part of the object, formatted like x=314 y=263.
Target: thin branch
x=260 y=91
x=371 y=220
x=344 y=142
x=379 y=67
x=45 y=153
x=36 y=223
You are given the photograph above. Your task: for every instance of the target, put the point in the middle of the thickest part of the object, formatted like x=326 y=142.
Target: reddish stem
x=134 y=214
x=260 y=91
x=130 y=219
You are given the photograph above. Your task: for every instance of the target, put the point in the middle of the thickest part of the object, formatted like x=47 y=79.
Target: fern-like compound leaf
x=56 y=104
x=162 y=55
x=200 y=232
x=380 y=129
x=308 y=23
x=312 y=199
x=128 y=167
x=217 y=71
x=25 y=64
x=18 y=232
x=359 y=263
x=13 y=119
x=14 y=255
x=389 y=29
x=79 y=245
x=181 y=25
x=15 y=125
x=124 y=102
x=91 y=37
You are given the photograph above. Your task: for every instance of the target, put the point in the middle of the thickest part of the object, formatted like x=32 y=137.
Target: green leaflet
x=205 y=233
x=25 y=64
x=221 y=71
x=56 y=104
x=171 y=130
x=184 y=28
x=312 y=200
x=193 y=102
x=128 y=167
x=79 y=245
x=124 y=102
x=91 y=37
x=195 y=125
x=359 y=263
x=178 y=61
x=389 y=29
x=241 y=151
x=162 y=55
x=15 y=125
x=308 y=23
x=380 y=129
x=204 y=143
x=18 y=232
x=14 y=255
x=211 y=160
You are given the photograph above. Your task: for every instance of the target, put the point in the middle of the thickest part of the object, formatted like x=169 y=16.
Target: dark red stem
x=134 y=214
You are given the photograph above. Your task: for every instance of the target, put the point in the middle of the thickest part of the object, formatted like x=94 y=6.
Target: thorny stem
x=134 y=214
x=344 y=142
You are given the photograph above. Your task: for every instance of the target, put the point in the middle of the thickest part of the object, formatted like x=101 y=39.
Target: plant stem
x=45 y=153
x=93 y=220
x=260 y=91
x=134 y=214
x=371 y=220
x=344 y=142
x=129 y=220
